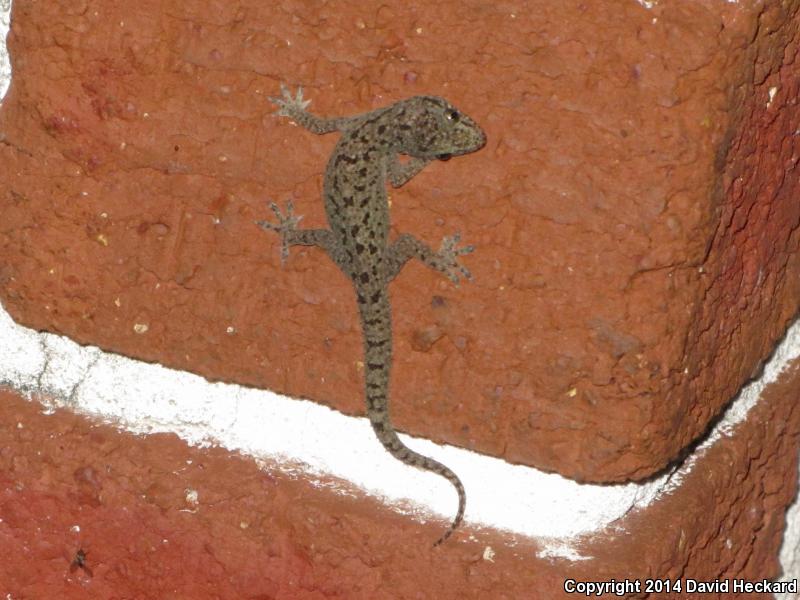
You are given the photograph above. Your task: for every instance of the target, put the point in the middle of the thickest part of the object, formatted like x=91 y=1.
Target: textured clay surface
x=634 y=212
x=726 y=518
x=159 y=519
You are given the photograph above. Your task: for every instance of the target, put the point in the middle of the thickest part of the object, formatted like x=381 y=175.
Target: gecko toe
x=265 y=225
x=287 y=223
x=289 y=105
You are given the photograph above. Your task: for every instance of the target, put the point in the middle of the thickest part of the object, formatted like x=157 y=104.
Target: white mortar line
x=293 y=434
x=146 y=398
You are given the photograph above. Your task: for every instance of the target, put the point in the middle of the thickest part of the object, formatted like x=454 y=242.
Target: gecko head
x=430 y=127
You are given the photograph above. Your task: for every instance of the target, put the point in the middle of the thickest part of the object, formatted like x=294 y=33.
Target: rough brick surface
x=633 y=211
x=155 y=516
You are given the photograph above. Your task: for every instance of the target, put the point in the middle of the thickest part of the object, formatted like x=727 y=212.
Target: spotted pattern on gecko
x=423 y=128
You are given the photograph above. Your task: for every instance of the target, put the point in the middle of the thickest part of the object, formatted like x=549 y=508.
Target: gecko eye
x=453 y=115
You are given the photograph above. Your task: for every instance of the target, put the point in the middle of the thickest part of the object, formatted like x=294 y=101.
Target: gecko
x=366 y=157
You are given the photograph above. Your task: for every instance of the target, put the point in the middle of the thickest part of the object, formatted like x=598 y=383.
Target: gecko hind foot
x=448 y=258
x=287 y=223
x=288 y=105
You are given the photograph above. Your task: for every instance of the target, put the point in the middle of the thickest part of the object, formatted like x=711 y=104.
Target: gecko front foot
x=286 y=225
x=288 y=105
x=447 y=258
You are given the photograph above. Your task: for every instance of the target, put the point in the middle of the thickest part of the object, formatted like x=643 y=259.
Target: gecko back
x=424 y=128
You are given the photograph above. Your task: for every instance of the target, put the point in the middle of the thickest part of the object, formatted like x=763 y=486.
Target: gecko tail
x=377 y=327
x=403 y=453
